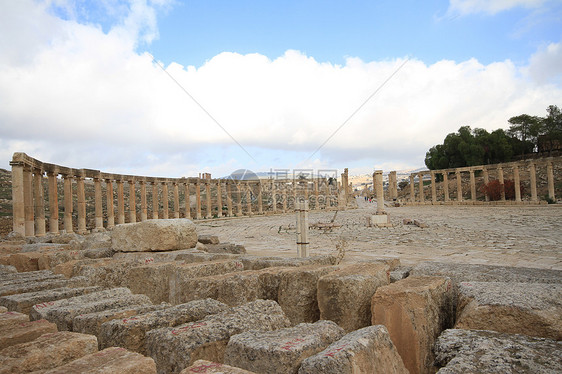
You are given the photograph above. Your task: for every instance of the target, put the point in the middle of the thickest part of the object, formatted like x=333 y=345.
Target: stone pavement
x=528 y=236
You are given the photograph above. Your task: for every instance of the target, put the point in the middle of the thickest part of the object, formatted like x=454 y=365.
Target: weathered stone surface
x=414 y=310
x=45 y=247
x=533 y=309
x=259 y=262
x=23 y=262
x=72 y=268
x=208 y=367
x=110 y=360
x=400 y=273
x=154 y=235
x=208 y=239
x=131 y=332
x=11 y=278
x=105 y=272
x=225 y=248
x=7 y=269
x=175 y=348
x=24 y=301
x=49 y=260
x=298 y=292
x=490 y=352
x=98 y=240
x=3 y=309
x=10 y=318
x=103 y=252
x=365 y=351
x=199 y=256
x=32 y=286
x=66 y=238
x=280 y=351
x=186 y=255
x=46 y=352
x=24 y=332
x=62 y=312
x=344 y=296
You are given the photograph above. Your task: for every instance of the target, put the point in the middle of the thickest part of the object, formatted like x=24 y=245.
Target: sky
x=174 y=88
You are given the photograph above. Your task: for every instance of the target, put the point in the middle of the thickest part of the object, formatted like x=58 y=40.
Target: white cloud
x=463 y=7
x=84 y=98
x=546 y=64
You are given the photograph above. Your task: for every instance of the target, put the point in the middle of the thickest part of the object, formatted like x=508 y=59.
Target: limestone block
x=208 y=367
x=106 y=272
x=10 y=318
x=365 y=351
x=31 y=276
x=44 y=247
x=49 y=260
x=27 y=261
x=3 y=309
x=175 y=348
x=344 y=296
x=152 y=279
x=490 y=352
x=199 y=256
x=280 y=351
x=66 y=238
x=110 y=360
x=46 y=352
x=131 y=332
x=24 y=301
x=103 y=252
x=400 y=273
x=7 y=269
x=32 y=286
x=154 y=235
x=298 y=292
x=98 y=240
x=208 y=239
x=225 y=248
x=517 y=308
x=259 y=262
x=414 y=310
x=24 y=332
x=151 y=257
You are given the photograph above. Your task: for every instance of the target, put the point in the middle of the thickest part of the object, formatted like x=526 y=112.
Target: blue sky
x=78 y=85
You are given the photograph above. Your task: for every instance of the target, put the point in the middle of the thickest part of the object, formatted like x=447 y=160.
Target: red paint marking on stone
x=203 y=367
x=333 y=351
x=125 y=320
x=291 y=344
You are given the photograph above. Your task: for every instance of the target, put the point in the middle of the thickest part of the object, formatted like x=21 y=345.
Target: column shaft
x=28 y=202
x=98 y=206
x=274 y=196
x=198 y=199
x=120 y=203
x=420 y=182
x=219 y=198
x=502 y=185
x=459 y=185
x=176 y=200
x=517 y=183
x=165 y=201
x=208 y=203
x=550 y=178
x=132 y=202
x=412 y=189
x=533 y=181
x=144 y=208
x=446 y=186
x=67 y=203
x=248 y=198
x=229 y=198
x=472 y=186
x=379 y=190
x=53 y=203
x=433 y=188
x=109 y=203
x=240 y=193
x=155 y=205
x=187 y=201
x=260 y=198
x=486 y=181
x=81 y=200
x=18 y=204
x=39 y=204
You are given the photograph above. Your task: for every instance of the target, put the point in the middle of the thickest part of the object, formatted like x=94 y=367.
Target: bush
x=493 y=189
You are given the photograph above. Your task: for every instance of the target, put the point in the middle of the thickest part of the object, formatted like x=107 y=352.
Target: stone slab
x=280 y=351
x=24 y=301
x=344 y=296
x=154 y=235
x=414 y=310
x=151 y=257
x=32 y=286
x=208 y=239
x=225 y=248
x=490 y=352
x=11 y=318
x=175 y=348
x=208 y=367
x=107 y=273
x=49 y=260
x=365 y=351
x=24 y=332
x=259 y=262
x=23 y=262
x=10 y=276
x=131 y=332
x=44 y=247
x=110 y=360
x=533 y=309
x=46 y=352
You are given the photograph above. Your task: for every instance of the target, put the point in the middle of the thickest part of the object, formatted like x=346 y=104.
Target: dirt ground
x=527 y=236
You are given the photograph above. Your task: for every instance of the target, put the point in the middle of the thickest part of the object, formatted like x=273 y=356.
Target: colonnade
x=148 y=197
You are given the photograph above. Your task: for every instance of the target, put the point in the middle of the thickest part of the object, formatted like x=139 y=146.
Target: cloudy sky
x=173 y=88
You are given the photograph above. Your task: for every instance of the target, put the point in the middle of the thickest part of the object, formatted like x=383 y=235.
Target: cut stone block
x=107 y=273
x=131 y=332
x=208 y=239
x=199 y=256
x=110 y=360
x=208 y=367
x=49 y=260
x=154 y=235
x=280 y=351
x=11 y=318
x=533 y=309
x=7 y=269
x=62 y=312
x=8 y=277
x=46 y=352
x=400 y=273
x=490 y=352
x=259 y=262
x=3 y=309
x=365 y=351
x=24 y=332
x=24 y=301
x=344 y=296
x=298 y=292
x=32 y=286
x=414 y=310
x=175 y=348
x=45 y=247
x=23 y=262
x=225 y=248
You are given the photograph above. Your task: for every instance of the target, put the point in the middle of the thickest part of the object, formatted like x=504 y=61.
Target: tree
x=552 y=127
x=526 y=129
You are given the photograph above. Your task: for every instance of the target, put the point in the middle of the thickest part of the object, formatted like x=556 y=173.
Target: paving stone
x=414 y=310
x=24 y=301
x=491 y=352
x=175 y=348
x=62 y=312
x=110 y=360
x=23 y=332
x=280 y=351
x=46 y=352
x=10 y=318
x=154 y=235
x=208 y=239
x=344 y=296
x=365 y=351
x=131 y=332
x=533 y=309
x=208 y=367
x=298 y=292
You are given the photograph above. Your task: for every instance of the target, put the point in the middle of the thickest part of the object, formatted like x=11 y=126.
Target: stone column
x=316 y=193
x=392 y=185
x=67 y=203
x=379 y=190
x=165 y=201
x=260 y=198
x=517 y=182
x=274 y=196
x=486 y=181
x=433 y=188
x=155 y=207
x=53 y=203
x=328 y=193
x=229 y=198
x=120 y=202
x=209 y=210
x=28 y=202
x=18 y=198
x=39 y=204
x=533 y=181
x=412 y=189
x=239 y=211
x=284 y=196
x=550 y=178
x=502 y=185
x=301 y=209
x=132 y=201
x=109 y=203
x=345 y=184
x=249 y=198
x=446 y=186
x=420 y=182
x=198 y=199
x=187 y=201
x=144 y=209
x=176 y=200
x=81 y=200
x=98 y=205
x=219 y=198
x=458 y=176
x=472 y=186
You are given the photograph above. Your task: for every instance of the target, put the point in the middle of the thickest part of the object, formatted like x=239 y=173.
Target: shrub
x=493 y=189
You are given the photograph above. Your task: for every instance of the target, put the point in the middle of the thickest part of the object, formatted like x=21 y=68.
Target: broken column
x=380 y=218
